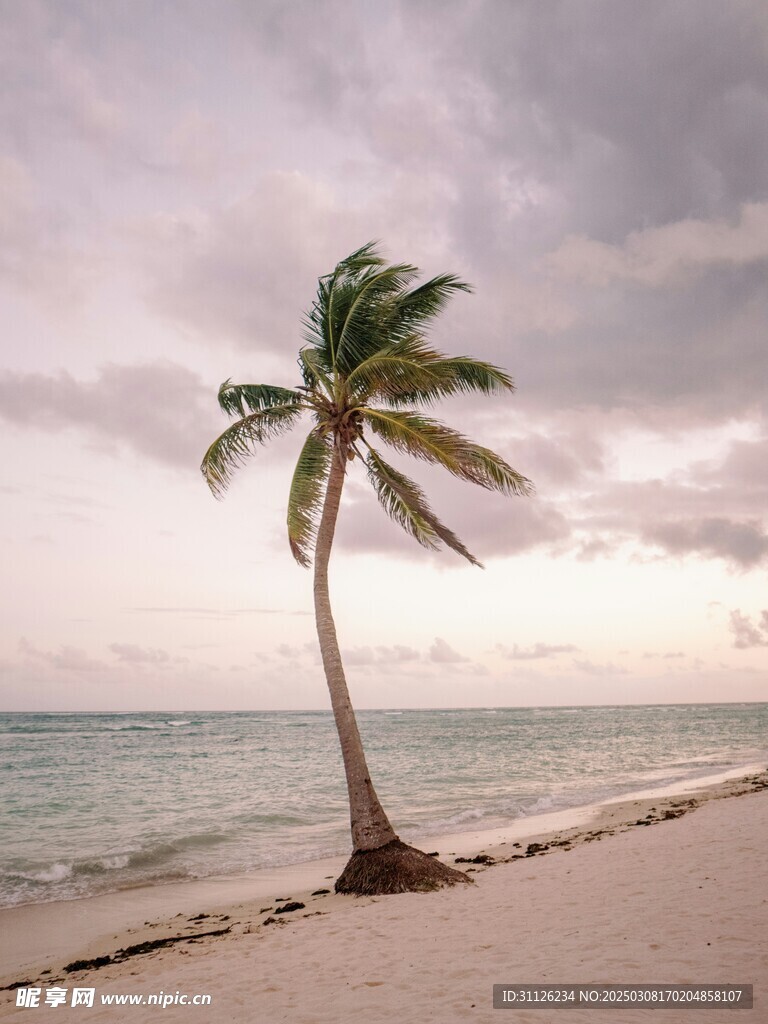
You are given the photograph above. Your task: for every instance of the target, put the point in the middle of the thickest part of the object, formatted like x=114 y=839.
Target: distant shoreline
x=327 y=710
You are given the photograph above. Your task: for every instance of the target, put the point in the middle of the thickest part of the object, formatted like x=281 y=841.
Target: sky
x=176 y=175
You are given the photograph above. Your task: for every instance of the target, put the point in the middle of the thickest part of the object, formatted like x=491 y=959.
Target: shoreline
x=461 y=836
x=35 y=938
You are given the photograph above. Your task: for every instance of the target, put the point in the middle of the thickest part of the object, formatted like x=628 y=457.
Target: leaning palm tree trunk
x=380 y=862
x=370 y=825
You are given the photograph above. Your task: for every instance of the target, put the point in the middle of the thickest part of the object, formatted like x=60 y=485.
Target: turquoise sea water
x=97 y=802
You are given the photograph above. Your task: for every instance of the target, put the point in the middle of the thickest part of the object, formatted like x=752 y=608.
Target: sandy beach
x=670 y=888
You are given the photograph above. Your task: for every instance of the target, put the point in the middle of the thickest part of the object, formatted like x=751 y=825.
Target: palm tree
x=365 y=366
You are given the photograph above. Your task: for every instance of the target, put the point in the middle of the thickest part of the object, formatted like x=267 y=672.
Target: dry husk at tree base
x=395 y=867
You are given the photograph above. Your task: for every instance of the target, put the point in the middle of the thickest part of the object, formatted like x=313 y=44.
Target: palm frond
x=419 y=305
x=313 y=372
x=240 y=399
x=232 y=448
x=361 y=260
x=412 y=372
x=428 y=439
x=305 y=501
x=324 y=321
x=405 y=502
x=365 y=305
x=367 y=366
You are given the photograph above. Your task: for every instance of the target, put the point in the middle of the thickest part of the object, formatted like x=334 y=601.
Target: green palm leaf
x=240 y=399
x=427 y=439
x=232 y=448
x=411 y=372
x=314 y=374
x=305 y=500
x=405 y=502
x=368 y=309
x=324 y=322
x=422 y=304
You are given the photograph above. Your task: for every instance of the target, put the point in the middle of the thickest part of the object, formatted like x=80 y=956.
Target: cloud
x=539 y=650
x=247 y=271
x=560 y=459
x=62 y=89
x=711 y=508
x=66 y=659
x=161 y=410
x=35 y=254
x=667 y=657
x=599 y=669
x=746 y=633
x=294 y=652
x=135 y=655
x=656 y=144
x=662 y=256
x=742 y=544
x=397 y=654
x=444 y=654
x=358 y=656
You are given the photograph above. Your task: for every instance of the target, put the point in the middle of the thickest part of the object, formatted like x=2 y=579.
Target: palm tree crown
x=368 y=371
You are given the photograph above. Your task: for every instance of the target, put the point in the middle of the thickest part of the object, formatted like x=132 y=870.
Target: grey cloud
x=744 y=544
x=34 y=252
x=45 y=56
x=516 y=126
x=599 y=669
x=539 y=650
x=248 y=271
x=626 y=118
x=396 y=654
x=319 y=49
x=633 y=113
x=67 y=658
x=358 y=656
x=444 y=654
x=296 y=651
x=596 y=547
x=135 y=655
x=659 y=354
x=743 y=470
x=557 y=460
x=161 y=411
x=714 y=509
x=746 y=633
x=661 y=256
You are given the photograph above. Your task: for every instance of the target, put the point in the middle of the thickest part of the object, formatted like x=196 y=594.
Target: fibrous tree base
x=393 y=868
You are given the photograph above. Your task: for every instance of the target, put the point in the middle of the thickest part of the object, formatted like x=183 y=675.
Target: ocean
x=93 y=803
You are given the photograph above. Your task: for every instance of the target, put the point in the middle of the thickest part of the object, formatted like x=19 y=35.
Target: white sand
x=683 y=900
